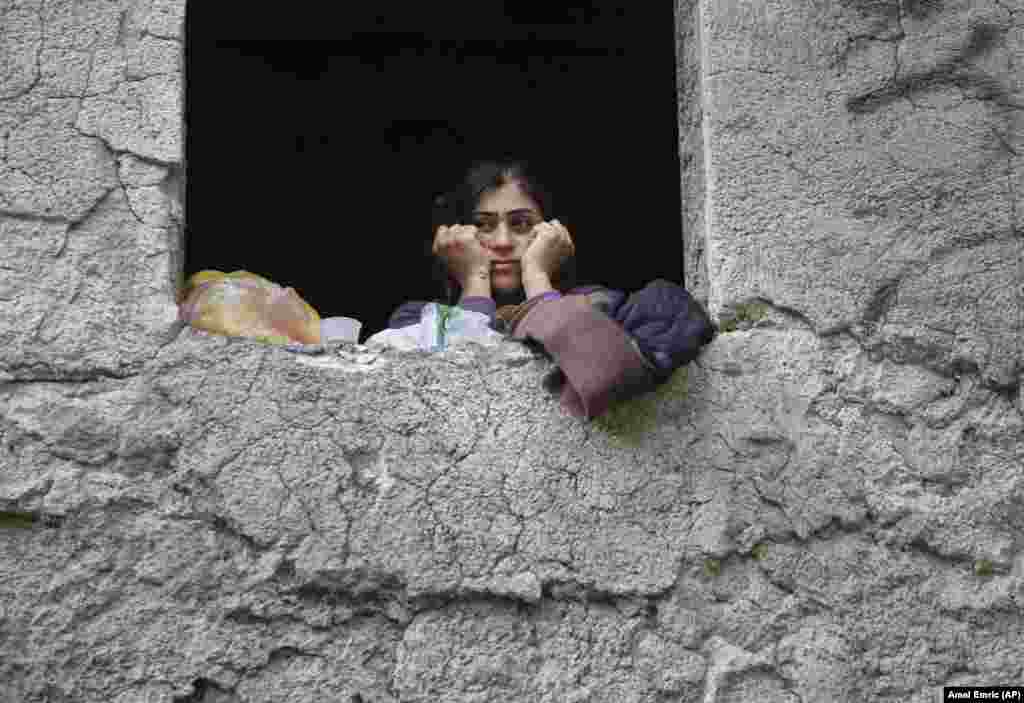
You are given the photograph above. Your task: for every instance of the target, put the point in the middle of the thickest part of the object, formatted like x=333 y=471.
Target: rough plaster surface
x=803 y=514
x=691 y=145
x=786 y=516
x=90 y=182
x=865 y=159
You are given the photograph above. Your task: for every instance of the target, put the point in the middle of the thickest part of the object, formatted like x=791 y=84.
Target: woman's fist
x=462 y=252
x=550 y=247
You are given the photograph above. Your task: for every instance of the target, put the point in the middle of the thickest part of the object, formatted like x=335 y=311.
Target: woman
x=498 y=255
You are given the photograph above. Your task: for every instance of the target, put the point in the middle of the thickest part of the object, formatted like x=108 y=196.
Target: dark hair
x=456 y=207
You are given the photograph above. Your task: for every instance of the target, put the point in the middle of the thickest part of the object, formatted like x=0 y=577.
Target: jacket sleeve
x=666 y=324
x=611 y=347
x=593 y=353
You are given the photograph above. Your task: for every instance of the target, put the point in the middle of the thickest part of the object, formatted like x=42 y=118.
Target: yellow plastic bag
x=244 y=304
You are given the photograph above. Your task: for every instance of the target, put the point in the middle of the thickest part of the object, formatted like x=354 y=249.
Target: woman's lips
x=504 y=265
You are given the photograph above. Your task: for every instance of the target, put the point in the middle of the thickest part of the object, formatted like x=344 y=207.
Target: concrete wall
x=865 y=163
x=91 y=173
x=689 y=82
x=827 y=506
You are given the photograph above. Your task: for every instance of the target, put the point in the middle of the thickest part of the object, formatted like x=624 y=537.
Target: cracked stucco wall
x=91 y=115
x=826 y=506
x=865 y=159
x=691 y=145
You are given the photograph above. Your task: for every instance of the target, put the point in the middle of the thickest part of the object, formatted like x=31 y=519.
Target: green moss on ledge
x=16 y=520
x=742 y=316
x=629 y=420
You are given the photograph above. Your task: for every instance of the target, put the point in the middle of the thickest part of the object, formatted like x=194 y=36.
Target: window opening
x=315 y=145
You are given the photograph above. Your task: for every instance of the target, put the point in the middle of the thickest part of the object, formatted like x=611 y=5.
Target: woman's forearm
x=535 y=283
x=477 y=287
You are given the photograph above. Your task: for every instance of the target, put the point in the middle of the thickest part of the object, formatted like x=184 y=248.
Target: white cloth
x=344 y=329
x=440 y=326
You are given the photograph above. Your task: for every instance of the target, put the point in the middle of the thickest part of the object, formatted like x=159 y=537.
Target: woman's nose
x=502 y=236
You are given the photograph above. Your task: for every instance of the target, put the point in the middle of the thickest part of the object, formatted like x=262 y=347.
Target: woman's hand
x=550 y=248
x=467 y=260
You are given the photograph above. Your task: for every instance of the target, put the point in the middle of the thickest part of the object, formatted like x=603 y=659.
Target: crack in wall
x=206 y=690
x=953 y=70
x=38 y=60
x=885 y=297
x=898 y=43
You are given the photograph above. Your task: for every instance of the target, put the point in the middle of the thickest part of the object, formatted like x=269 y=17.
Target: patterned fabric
x=508 y=316
x=605 y=344
x=438 y=328
x=666 y=323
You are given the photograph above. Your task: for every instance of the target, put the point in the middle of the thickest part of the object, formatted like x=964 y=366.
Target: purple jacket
x=607 y=346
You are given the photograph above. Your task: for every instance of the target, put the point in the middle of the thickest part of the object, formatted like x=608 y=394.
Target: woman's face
x=504 y=219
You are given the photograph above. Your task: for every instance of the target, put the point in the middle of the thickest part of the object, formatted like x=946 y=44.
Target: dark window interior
x=316 y=139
